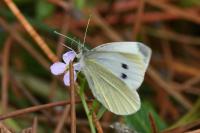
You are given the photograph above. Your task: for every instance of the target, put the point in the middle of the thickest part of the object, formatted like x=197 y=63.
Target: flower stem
x=86 y=108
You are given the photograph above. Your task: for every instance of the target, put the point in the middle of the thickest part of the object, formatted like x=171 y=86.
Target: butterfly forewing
x=135 y=48
x=127 y=67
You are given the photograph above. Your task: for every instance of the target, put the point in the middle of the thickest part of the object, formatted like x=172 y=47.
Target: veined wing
x=135 y=48
x=112 y=92
x=130 y=68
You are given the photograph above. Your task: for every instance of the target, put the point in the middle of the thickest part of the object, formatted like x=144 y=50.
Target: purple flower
x=59 y=67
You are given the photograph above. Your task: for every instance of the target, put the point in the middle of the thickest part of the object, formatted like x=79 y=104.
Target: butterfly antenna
x=71 y=39
x=86 y=30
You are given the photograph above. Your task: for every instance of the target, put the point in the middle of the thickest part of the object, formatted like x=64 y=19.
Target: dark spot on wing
x=124 y=76
x=125 y=66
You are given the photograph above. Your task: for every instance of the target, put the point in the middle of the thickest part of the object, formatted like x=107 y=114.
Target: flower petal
x=69 y=56
x=77 y=66
x=66 y=78
x=58 y=68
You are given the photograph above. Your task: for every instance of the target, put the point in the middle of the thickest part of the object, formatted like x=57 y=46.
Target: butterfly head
x=81 y=50
x=81 y=46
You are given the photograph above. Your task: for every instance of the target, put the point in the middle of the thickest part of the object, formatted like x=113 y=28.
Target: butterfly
x=114 y=72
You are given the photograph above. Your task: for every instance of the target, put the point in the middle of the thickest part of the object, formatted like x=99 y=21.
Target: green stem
x=85 y=106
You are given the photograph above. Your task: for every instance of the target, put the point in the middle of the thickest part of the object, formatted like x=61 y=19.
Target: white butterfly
x=114 y=72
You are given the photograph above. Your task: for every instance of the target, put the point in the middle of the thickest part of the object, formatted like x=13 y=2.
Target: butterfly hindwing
x=110 y=90
x=114 y=72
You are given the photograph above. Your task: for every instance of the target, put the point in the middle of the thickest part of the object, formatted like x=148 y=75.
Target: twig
x=148 y=17
x=25 y=44
x=27 y=130
x=41 y=43
x=5 y=73
x=188 y=89
x=21 y=88
x=62 y=120
x=106 y=28
x=153 y=124
x=35 y=108
x=4 y=129
x=123 y=6
x=170 y=35
x=192 y=81
x=138 y=21
x=181 y=68
x=97 y=123
x=35 y=125
x=194 y=52
x=194 y=131
x=156 y=77
x=187 y=86
x=174 y=10
x=163 y=101
x=72 y=98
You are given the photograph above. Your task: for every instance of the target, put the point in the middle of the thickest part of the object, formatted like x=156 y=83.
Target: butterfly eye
x=125 y=66
x=124 y=76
